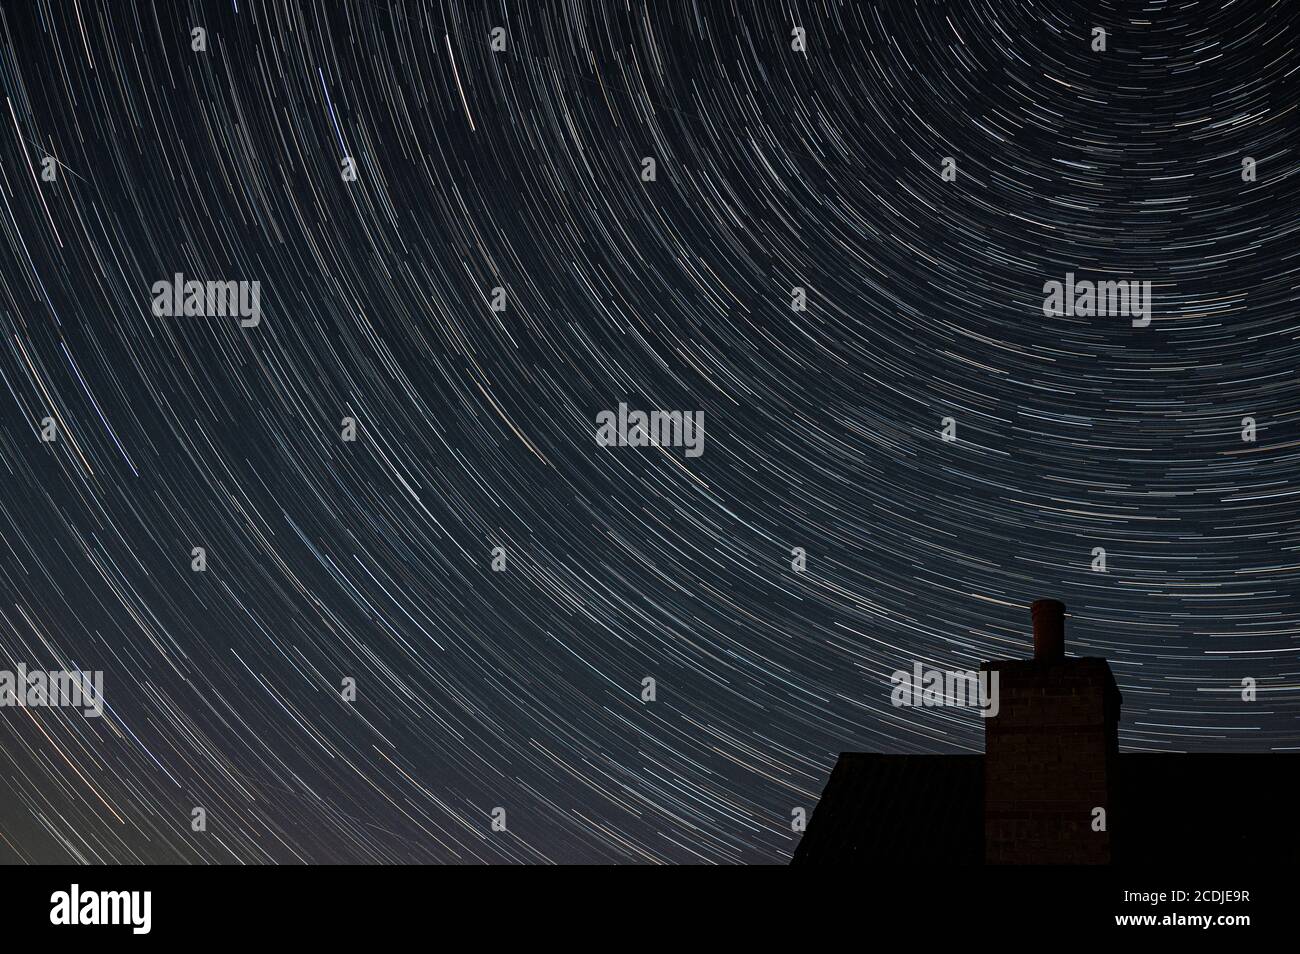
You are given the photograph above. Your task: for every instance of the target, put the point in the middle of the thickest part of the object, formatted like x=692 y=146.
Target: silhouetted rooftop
x=900 y=809
x=1196 y=809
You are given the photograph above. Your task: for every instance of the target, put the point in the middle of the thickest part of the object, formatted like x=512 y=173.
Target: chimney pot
x=1049 y=630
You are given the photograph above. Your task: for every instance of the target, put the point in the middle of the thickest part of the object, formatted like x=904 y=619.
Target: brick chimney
x=1050 y=753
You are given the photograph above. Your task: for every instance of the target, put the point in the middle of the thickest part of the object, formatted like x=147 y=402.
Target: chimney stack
x=1050 y=753
x=1049 y=630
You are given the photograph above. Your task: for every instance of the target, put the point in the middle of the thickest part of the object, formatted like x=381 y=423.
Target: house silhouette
x=1053 y=788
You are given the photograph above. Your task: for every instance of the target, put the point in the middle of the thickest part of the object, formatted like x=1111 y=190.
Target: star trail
x=393 y=480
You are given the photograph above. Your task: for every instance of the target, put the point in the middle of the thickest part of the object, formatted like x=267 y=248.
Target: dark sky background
x=371 y=560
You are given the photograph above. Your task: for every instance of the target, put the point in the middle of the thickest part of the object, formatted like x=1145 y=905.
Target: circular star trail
x=780 y=163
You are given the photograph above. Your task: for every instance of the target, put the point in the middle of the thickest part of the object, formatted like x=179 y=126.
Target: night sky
x=775 y=168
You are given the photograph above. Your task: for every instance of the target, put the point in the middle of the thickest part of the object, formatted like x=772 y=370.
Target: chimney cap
x=1049 y=629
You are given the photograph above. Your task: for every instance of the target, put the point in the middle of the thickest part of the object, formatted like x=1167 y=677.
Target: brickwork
x=1049 y=760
